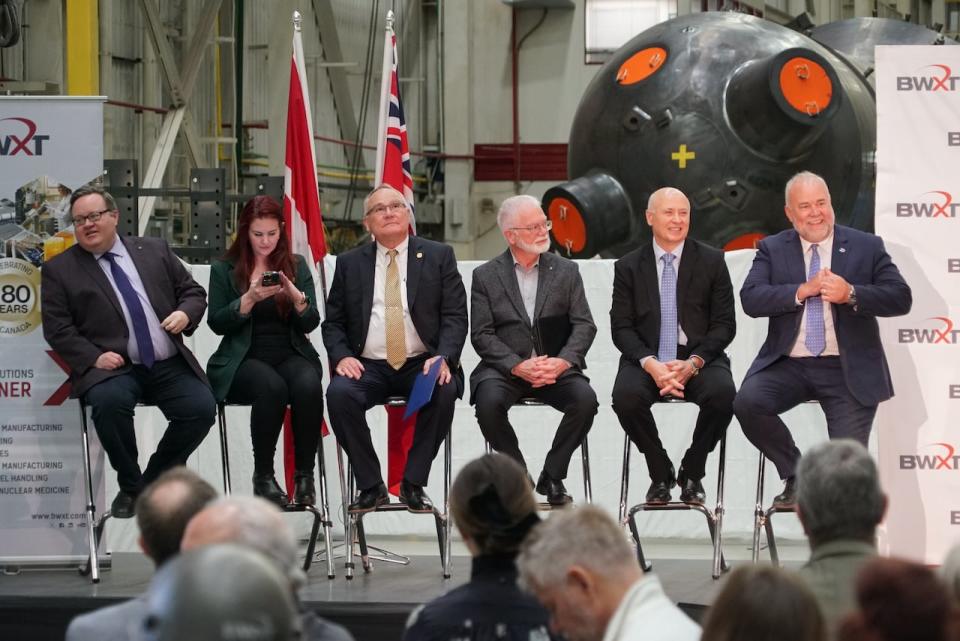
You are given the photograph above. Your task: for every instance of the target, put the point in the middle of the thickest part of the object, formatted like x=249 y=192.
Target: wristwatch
x=304 y=299
x=693 y=364
x=853 y=297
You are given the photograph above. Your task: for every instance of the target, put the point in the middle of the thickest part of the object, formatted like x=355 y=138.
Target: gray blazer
x=501 y=331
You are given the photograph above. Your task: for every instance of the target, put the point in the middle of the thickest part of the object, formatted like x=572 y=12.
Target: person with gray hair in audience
x=163 y=510
x=840 y=504
x=258 y=524
x=223 y=592
x=583 y=570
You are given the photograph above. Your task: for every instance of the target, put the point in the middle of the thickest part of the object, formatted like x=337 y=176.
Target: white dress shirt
x=376 y=345
x=825 y=249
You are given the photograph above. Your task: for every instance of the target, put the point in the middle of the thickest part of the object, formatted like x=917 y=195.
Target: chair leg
x=447 y=520
x=314 y=533
x=718 y=561
x=625 y=480
x=585 y=455
x=325 y=513
x=93 y=563
x=346 y=491
x=645 y=565
x=224 y=449
x=771 y=539
x=758 y=514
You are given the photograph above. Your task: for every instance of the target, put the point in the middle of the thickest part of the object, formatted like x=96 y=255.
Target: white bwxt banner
x=48 y=147
x=918 y=184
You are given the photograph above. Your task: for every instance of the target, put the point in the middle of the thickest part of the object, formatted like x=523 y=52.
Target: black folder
x=550 y=334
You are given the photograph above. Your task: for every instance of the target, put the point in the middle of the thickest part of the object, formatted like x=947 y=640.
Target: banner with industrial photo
x=49 y=146
x=918 y=152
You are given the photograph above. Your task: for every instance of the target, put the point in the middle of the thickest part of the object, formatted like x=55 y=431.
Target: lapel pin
x=843 y=250
x=419 y=254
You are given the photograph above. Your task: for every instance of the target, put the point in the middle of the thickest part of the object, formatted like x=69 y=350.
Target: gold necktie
x=396 y=339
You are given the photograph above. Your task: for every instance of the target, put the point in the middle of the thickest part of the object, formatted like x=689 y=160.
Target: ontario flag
x=301 y=198
x=393 y=168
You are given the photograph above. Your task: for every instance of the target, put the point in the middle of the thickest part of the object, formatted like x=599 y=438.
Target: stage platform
x=37 y=605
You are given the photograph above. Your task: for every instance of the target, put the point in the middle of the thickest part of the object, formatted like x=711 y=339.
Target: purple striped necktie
x=141 y=331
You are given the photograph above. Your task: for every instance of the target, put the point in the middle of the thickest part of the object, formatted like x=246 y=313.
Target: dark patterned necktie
x=141 y=331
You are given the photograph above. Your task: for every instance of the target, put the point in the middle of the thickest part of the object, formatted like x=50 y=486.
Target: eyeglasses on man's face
x=94 y=216
x=382 y=209
x=546 y=225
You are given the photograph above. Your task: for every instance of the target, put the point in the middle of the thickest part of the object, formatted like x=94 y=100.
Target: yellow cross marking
x=682 y=155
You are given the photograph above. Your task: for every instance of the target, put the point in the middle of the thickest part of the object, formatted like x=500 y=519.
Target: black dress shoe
x=304 y=490
x=265 y=486
x=691 y=491
x=123 y=505
x=659 y=492
x=553 y=489
x=787 y=498
x=370 y=499
x=415 y=498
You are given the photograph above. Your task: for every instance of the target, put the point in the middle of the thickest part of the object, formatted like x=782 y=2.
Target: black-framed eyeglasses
x=94 y=216
x=546 y=225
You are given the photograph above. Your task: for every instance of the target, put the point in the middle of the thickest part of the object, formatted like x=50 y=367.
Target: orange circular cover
x=641 y=65
x=744 y=241
x=805 y=85
x=569 y=229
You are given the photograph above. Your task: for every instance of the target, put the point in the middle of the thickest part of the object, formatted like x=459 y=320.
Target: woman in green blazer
x=262 y=302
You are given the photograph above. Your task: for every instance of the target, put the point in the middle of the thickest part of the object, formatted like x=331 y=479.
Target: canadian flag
x=393 y=168
x=301 y=196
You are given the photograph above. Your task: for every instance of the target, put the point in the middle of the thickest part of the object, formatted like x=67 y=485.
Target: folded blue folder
x=423 y=388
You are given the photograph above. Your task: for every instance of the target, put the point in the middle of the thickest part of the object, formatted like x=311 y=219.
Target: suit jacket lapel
x=545 y=275
x=795 y=259
x=648 y=272
x=368 y=266
x=838 y=260
x=414 y=267
x=688 y=265
x=135 y=251
x=89 y=264
x=508 y=278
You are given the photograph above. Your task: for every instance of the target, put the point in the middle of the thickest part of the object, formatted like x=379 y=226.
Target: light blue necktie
x=816 y=339
x=668 y=311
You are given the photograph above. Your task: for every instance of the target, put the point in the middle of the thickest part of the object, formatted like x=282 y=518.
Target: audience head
x=493 y=505
x=838 y=493
x=166 y=506
x=900 y=601
x=950 y=572
x=250 y=521
x=220 y=593
x=668 y=214
x=386 y=215
x=579 y=565
x=764 y=603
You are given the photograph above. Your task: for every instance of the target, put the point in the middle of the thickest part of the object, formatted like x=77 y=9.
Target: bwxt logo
x=12 y=144
x=943 y=458
x=940 y=78
x=941 y=207
x=947 y=335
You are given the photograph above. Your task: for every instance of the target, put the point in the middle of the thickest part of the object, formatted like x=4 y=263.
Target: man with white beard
x=531 y=326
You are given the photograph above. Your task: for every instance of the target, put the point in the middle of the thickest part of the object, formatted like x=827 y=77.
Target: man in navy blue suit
x=822 y=286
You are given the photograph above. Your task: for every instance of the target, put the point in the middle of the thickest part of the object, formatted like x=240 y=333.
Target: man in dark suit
x=116 y=311
x=671 y=318
x=822 y=286
x=513 y=297
x=396 y=306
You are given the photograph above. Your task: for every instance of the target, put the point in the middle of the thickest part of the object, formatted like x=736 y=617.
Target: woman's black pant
x=269 y=386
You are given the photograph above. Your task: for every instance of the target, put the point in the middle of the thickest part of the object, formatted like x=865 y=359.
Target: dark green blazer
x=224 y=318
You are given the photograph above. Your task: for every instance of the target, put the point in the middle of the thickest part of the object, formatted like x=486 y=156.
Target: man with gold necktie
x=396 y=306
x=822 y=286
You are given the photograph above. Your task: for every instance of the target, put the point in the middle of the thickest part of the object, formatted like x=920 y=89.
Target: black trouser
x=268 y=386
x=635 y=391
x=350 y=399
x=185 y=400
x=571 y=395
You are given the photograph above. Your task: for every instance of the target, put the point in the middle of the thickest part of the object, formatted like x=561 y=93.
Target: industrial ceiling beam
x=342 y=100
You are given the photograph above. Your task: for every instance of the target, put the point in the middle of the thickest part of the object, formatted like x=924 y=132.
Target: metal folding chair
x=321 y=514
x=529 y=401
x=714 y=517
x=353 y=522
